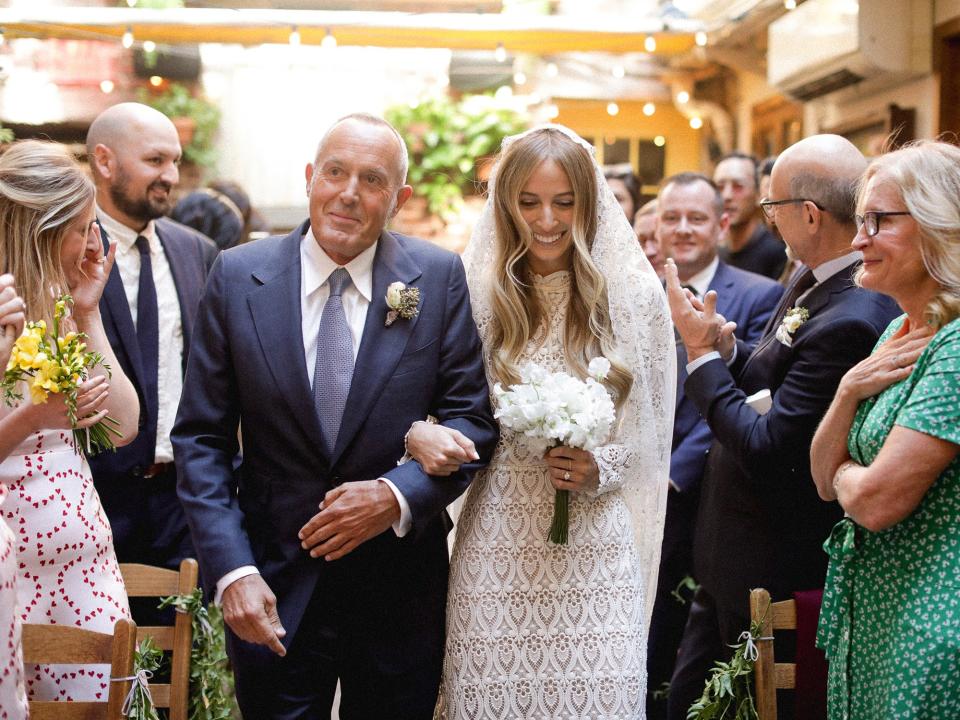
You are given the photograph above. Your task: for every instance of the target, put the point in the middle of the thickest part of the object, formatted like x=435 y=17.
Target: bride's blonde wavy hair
x=927 y=175
x=517 y=311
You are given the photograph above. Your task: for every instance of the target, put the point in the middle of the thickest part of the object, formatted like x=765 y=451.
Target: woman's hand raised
x=95 y=268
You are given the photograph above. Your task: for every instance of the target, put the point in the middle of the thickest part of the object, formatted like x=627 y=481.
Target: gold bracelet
x=839 y=474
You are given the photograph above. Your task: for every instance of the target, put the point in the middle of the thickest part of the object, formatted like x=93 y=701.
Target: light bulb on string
x=552 y=70
x=790 y=4
x=127 y=39
x=294 y=38
x=618 y=71
x=696 y=122
x=659 y=141
x=149 y=46
x=156 y=80
x=683 y=97
x=649 y=109
x=612 y=108
x=106 y=86
x=700 y=37
x=519 y=78
x=500 y=53
x=329 y=42
x=650 y=43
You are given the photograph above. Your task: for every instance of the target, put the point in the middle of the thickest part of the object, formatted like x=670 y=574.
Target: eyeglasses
x=769 y=207
x=870 y=221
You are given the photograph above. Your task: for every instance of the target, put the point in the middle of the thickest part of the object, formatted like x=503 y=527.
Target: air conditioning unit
x=825 y=45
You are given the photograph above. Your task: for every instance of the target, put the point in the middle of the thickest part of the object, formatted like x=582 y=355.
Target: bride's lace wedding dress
x=537 y=630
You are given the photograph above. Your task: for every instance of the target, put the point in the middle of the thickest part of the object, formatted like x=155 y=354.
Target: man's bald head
x=134 y=152
x=825 y=169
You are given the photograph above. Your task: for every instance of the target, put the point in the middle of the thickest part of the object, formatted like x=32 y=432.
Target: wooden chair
x=769 y=675
x=65 y=645
x=147 y=581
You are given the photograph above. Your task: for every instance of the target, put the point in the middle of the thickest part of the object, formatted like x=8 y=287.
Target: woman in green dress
x=887 y=450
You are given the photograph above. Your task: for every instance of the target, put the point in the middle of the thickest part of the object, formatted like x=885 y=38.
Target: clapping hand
x=12 y=308
x=95 y=268
x=892 y=362
x=439 y=450
x=701 y=327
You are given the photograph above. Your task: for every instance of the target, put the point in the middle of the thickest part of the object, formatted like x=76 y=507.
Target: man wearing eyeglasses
x=760 y=521
x=748 y=243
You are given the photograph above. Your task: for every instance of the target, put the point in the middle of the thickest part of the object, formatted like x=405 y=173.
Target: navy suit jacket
x=747 y=299
x=247 y=368
x=761 y=522
x=190 y=255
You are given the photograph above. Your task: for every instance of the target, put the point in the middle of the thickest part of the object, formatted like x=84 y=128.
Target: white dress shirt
x=315 y=268
x=170 y=358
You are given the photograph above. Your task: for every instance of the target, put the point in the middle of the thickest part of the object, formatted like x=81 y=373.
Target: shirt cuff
x=402 y=526
x=702 y=360
x=231 y=577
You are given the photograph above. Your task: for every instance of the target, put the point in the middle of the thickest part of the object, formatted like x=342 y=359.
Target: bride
x=537 y=630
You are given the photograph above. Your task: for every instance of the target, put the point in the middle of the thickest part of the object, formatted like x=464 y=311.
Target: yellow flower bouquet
x=57 y=366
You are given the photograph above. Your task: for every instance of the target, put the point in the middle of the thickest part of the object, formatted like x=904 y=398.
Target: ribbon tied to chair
x=140 y=687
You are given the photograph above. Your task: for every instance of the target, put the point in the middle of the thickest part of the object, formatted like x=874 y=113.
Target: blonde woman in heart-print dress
x=66 y=569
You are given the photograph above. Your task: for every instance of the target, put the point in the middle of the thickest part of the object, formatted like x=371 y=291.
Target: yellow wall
x=590 y=118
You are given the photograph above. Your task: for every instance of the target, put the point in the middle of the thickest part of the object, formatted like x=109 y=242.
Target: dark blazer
x=761 y=522
x=247 y=368
x=190 y=256
x=747 y=299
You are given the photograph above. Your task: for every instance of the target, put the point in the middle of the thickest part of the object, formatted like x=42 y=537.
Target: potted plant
x=195 y=118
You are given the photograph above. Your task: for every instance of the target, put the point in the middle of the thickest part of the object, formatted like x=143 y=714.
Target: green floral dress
x=890 y=622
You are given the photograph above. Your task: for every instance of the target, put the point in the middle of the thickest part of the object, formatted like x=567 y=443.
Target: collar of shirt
x=124 y=237
x=701 y=280
x=830 y=268
x=317 y=267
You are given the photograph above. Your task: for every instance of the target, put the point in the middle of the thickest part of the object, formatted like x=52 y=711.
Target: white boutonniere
x=402 y=301
x=794 y=318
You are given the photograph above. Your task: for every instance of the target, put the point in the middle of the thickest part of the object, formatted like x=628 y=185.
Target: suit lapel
x=114 y=301
x=277 y=318
x=187 y=291
x=381 y=347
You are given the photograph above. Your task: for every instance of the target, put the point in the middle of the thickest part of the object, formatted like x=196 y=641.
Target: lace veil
x=645 y=342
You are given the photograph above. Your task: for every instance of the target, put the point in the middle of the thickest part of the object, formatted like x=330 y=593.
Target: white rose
x=393 y=295
x=792 y=322
x=598 y=368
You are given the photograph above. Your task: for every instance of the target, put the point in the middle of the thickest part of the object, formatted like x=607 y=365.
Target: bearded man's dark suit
x=377 y=613
x=145 y=514
x=747 y=299
x=760 y=521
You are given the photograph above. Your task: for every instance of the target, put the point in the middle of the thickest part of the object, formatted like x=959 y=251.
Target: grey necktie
x=334 y=369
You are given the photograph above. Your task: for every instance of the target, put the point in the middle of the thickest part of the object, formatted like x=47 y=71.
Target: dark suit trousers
x=301 y=685
x=670 y=615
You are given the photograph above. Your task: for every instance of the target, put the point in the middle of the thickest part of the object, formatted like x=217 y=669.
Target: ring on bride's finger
x=566 y=474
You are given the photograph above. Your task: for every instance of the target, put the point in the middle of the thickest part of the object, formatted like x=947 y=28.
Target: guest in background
x=254 y=224
x=213 y=214
x=887 y=450
x=760 y=522
x=748 y=243
x=68 y=572
x=691 y=221
x=148 y=307
x=625 y=186
x=13 y=698
x=645 y=226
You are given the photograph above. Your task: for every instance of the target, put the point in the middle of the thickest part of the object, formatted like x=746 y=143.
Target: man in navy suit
x=690 y=223
x=760 y=522
x=148 y=307
x=330 y=558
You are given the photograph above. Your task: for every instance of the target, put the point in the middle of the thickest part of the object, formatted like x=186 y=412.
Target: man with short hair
x=748 y=242
x=645 y=226
x=330 y=558
x=148 y=307
x=760 y=522
x=690 y=222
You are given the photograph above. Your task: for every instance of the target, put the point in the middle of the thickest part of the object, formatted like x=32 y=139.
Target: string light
x=519 y=78
x=649 y=109
x=700 y=37
x=790 y=4
x=156 y=80
x=127 y=39
x=294 y=36
x=683 y=97
x=650 y=43
x=149 y=46
x=500 y=53
x=659 y=141
x=3 y=37
x=618 y=71
x=612 y=108
x=696 y=123
x=329 y=42
x=106 y=86
x=552 y=112
x=504 y=92
x=552 y=70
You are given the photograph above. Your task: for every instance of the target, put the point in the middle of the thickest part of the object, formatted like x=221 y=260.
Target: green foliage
x=445 y=139
x=177 y=102
x=728 y=692
x=146 y=659
x=6 y=134
x=689 y=585
x=211 y=682
x=662 y=692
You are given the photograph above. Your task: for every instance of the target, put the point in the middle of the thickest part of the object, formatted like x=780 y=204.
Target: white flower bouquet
x=559 y=409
